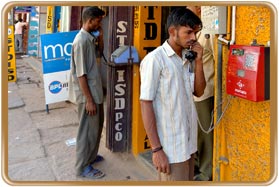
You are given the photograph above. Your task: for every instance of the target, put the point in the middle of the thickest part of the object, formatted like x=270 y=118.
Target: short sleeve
x=80 y=59
x=150 y=77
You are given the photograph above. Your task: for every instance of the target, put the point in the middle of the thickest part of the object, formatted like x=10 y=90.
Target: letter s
x=121 y=27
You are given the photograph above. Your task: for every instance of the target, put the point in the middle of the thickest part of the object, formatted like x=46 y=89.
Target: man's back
x=19 y=27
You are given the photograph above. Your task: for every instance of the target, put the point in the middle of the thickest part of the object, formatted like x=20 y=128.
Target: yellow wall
x=242 y=138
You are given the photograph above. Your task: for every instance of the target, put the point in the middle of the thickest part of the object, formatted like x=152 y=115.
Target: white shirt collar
x=170 y=52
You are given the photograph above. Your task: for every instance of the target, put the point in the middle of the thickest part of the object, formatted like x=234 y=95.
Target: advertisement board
x=56 y=56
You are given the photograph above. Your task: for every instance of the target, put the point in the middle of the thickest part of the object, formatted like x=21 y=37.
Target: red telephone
x=248 y=72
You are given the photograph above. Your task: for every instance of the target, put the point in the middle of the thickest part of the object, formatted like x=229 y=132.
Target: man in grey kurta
x=85 y=89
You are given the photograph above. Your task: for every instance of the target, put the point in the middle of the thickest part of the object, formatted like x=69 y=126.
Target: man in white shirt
x=168 y=83
x=18 y=34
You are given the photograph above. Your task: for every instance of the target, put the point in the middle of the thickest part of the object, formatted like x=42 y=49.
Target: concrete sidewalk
x=37 y=149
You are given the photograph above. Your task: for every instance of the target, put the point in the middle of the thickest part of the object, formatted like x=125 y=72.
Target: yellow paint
x=147 y=36
x=242 y=139
x=219 y=138
x=50 y=19
x=11 y=55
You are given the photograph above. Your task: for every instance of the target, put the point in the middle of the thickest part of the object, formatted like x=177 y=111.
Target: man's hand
x=101 y=35
x=199 y=50
x=161 y=162
x=91 y=108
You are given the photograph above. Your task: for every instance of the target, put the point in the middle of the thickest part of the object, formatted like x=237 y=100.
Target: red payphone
x=248 y=72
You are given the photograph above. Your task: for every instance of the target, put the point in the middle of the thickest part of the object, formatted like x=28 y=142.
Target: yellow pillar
x=147 y=36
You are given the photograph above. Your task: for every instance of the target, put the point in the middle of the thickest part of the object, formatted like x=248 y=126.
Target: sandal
x=90 y=172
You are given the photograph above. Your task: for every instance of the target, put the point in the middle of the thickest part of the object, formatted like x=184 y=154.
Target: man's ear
x=171 y=30
x=91 y=20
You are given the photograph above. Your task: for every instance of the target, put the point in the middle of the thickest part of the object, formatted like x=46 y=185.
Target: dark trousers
x=88 y=136
x=205 y=141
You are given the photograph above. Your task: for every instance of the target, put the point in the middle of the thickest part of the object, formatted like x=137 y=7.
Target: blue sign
x=56 y=51
x=33 y=32
x=57 y=18
x=20 y=9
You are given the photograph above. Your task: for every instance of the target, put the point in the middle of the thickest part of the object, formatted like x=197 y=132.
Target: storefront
x=142 y=28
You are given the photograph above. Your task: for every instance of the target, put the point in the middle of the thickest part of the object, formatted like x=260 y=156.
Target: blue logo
x=55 y=87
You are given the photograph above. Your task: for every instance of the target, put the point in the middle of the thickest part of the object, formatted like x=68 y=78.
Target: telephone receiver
x=190 y=55
x=96 y=33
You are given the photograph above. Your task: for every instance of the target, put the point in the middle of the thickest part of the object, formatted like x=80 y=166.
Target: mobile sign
x=56 y=56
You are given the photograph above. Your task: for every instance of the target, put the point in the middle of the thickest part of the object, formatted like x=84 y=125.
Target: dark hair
x=183 y=17
x=91 y=12
x=20 y=20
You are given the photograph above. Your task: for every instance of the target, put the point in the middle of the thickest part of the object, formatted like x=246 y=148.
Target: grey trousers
x=88 y=137
x=18 y=42
x=205 y=141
